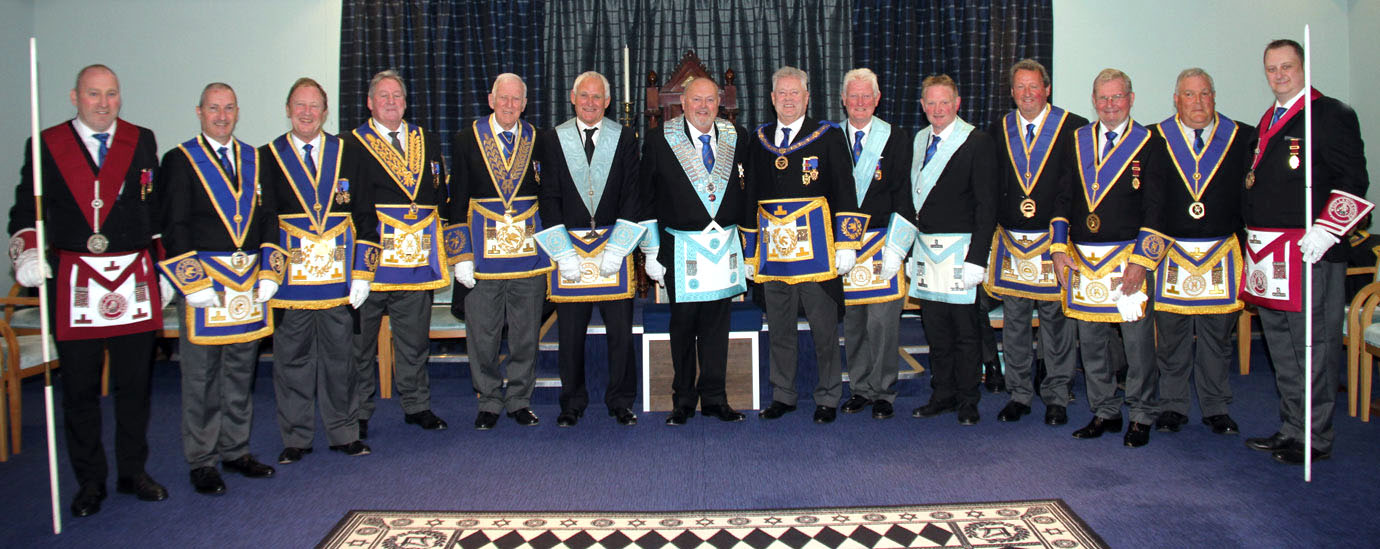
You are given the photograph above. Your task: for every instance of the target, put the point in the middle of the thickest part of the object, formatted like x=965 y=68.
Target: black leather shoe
x=1056 y=415
x=777 y=409
x=1271 y=443
x=525 y=417
x=88 y=500
x=825 y=414
x=143 y=486
x=1294 y=455
x=855 y=404
x=1097 y=426
x=680 y=415
x=1137 y=435
x=968 y=415
x=1222 y=424
x=248 y=466
x=363 y=429
x=292 y=455
x=723 y=412
x=882 y=409
x=934 y=408
x=207 y=481
x=424 y=419
x=356 y=448
x=1170 y=422
x=568 y=418
x=992 y=377
x=625 y=416
x=485 y=421
x=1013 y=411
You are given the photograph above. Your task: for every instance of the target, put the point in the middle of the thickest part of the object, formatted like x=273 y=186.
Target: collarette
x=315 y=143
x=794 y=127
x=1188 y=132
x=1120 y=129
x=385 y=130
x=215 y=145
x=1039 y=118
x=1290 y=103
x=944 y=134
x=853 y=130
x=582 y=127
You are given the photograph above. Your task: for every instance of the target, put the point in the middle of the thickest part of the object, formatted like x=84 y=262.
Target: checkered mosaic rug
x=1045 y=523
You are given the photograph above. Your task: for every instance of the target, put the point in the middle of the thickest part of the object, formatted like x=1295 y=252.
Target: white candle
x=627 y=77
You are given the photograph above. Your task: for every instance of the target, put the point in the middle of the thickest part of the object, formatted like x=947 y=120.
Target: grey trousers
x=1100 y=365
x=311 y=366
x=217 y=398
x=871 y=332
x=783 y=303
x=488 y=307
x=1284 y=337
x=1058 y=343
x=409 y=314
x=1209 y=361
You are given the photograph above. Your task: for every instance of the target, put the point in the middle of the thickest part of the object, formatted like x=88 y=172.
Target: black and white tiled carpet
x=1041 y=523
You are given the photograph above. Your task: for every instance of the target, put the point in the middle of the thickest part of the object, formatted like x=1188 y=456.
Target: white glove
x=750 y=271
x=912 y=269
x=464 y=273
x=359 y=291
x=891 y=263
x=1315 y=243
x=655 y=270
x=1129 y=305
x=165 y=291
x=29 y=271
x=844 y=260
x=203 y=298
x=266 y=290
x=610 y=263
x=568 y=266
x=973 y=275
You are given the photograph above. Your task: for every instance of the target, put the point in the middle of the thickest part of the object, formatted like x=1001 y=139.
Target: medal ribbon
x=305 y=184
x=865 y=169
x=407 y=171
x=1267 y=131
x=1094 y=171
x=229 y=201
x=506 y=173
x=70 y=156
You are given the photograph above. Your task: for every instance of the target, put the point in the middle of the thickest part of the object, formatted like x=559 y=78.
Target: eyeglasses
x=1110 y=99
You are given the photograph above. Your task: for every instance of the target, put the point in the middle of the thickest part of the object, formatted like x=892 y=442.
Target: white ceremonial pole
x=36 y=159
x=1308 y=288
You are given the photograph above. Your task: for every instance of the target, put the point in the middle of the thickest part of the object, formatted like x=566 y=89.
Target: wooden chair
x=664 y=101
x=1243 y=337
x=23 y=357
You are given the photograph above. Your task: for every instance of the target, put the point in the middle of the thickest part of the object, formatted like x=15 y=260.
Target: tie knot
x=1111 y=136
x=393 y=135
x=306 y=148
x=101 y=137
x=224 y=151
x=1198 y=133
x=858 y=135
x=936 y=140
x=507 y=136
x=704 y=139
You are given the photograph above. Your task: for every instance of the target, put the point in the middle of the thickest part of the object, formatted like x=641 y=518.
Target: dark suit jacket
x=1047 y=184
x=364 y=177
x=470 y=176
x=431 y=192
x=564 y=202
x=963 y=199
x=892 y=193
x=193 y=223
x=1276 y=199
x=1126 y=209
x=1221 y=199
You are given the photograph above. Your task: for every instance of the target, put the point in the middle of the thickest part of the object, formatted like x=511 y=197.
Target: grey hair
x=509 y=76
x=1108 y=75
x=1190 y=73
x=386 y=75
x=694 y=79
x=1030 y=65
x=790 y=72
x=862 y=75
x=591 y=74
x=213 y=86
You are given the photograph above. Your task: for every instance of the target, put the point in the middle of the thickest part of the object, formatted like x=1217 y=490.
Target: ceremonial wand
x=1308 y=288
x=36 y=158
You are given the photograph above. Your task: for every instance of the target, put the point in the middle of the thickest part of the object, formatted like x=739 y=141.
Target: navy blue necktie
x=309 y=160
x=707 y=153
x=1279 y=113
x=929 y=151
x=1029 y=133
x=101 y=152
x=785 y=137
x=1111 y=143
x=507 y=138
x=857 y=145
x=1198 y=141
x=226 y=163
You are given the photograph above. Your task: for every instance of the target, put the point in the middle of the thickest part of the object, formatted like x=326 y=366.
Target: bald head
x=96 y=96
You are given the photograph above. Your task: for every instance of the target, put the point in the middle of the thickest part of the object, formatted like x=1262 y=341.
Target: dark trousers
x=311 y=367
x=131 y=358
x=784 y=303
x=1102 y=358
x=699 y=335
x=871 y=332
x=409 y=316
x=1285 y=336
x=1058 y=346
x=217 y=399
x=1199 y=345
x=955 y=359
x=573 y=323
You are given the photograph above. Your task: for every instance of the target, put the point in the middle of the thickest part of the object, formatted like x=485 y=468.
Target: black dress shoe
x=968 y=415
x=143 y=486
x=1271 y=443
x=525 y=417
x=1137 y=435
x=424 y=419
x=207 y=481
x=932 y=409
x=1222 y=424
x=1056 y=415
x=485 y=421
x=568 y=418
x=855 y=404
x=625 y=416
x=777 y=409
x=356 y=448
x=992 y=377
x=1170 y=422
x=88 y=500
x=680 y=415
x=723 y=412
x=1294 y=455
x=292 y=455
x=363 y=429
x=882 y=409
x=1013 y=411
x=248 y=466
x=1097 y=426
x=825 y=414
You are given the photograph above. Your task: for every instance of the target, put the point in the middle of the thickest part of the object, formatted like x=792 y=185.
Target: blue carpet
x=1190 y=489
